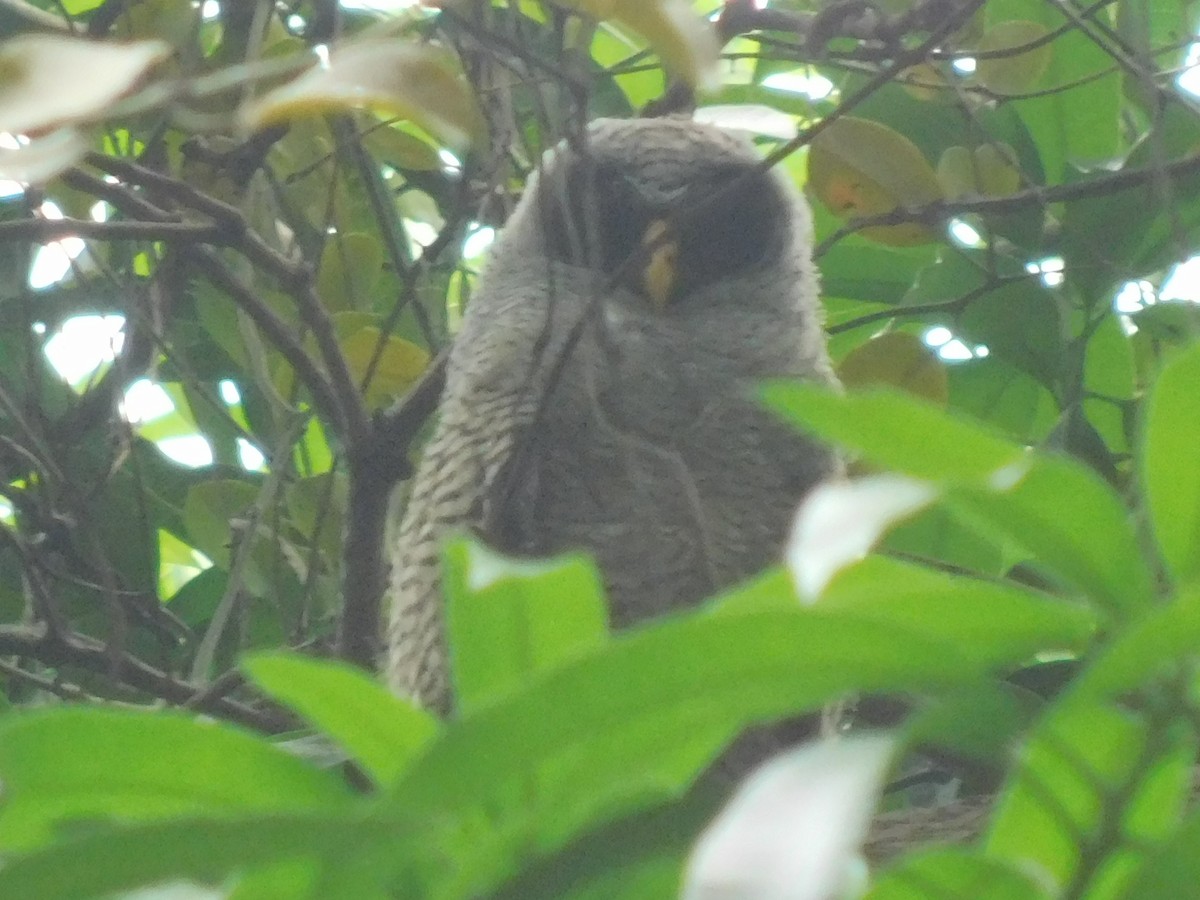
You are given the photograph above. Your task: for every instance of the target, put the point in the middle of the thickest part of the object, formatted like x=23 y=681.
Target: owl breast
x=601 y=393
x=653 y=455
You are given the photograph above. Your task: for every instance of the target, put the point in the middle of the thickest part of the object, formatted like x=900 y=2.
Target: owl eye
x=594 y=216
x=729 y=222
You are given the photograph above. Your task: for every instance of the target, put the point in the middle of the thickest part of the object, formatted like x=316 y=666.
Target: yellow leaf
x=47 y=80
x=900 y=360
x=925 y=81
x=991 y=171
x=398 y=148
x=956 y=172
x=1018 y=71
x=999 y=174
x=399 y=366
x=685 y=41
x=859 y=168
x=413 y=81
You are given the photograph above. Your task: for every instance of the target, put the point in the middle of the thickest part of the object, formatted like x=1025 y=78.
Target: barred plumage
x=599 y=395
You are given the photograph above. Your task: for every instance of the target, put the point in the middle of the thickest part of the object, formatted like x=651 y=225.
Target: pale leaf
x=685 y=41
x=47 y=80
x=794 y=828
x=840 y=521
x=44 y=157
x=412 y=81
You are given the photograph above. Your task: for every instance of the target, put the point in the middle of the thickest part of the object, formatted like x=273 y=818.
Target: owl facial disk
x=667 y=242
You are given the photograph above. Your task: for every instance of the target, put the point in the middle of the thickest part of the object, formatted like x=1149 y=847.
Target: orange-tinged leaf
x=1016 y=72
x=414 y=81
x=48 y=80
x=897 y=359
x=859 y=168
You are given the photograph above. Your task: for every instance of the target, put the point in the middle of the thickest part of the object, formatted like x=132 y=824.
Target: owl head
x=668 y=213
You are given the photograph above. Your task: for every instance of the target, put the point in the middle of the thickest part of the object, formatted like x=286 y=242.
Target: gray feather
x=576 y=414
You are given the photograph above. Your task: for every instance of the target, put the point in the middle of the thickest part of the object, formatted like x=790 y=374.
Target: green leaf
x=382 y=732
x=940 y=533
x=1169 y=471
x=509 y=619
x=1074 y=115
x=1173 y=870
x=67 y=765
x=1142 y=230
x=1001 y=396
x=1005 y=66
x=393 y=363
x=997 y=623
x=631 y=858
x=1110 y=763
x=1056 y=509
x=350 y=266
x=900 y=360
x=352 y=847
x=1157 y=644
x=955 y=872
x=896 y=431
x=697 y=676
x=1019 y=322
x=1069 y=523
x=208 y=512
x=855 y=269
x=1056 y=798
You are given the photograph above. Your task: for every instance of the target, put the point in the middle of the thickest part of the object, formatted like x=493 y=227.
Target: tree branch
x=38 y=642
x=374 y=470
x=932 y=214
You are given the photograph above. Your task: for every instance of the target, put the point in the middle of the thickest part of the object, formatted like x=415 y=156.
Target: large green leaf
x=350 y=846
x=997 y=623
x=382 y=732
x=66 y=765
x=954 y=872
x=510 y=619
x=1107 y=771
x=1095 y=785
x=1002 y=396
x=1060 y=512
x=1158 y=644
x=1174 y=869
x=630 y=858
x=1169 y=471
x=896 y=432
x=695 y=678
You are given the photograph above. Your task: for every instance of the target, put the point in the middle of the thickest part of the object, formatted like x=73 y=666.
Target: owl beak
x=660 y=270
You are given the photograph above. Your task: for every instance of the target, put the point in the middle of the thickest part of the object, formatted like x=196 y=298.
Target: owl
x=600 y=395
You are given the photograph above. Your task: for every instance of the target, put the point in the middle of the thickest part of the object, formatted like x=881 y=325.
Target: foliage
x=288 y=246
